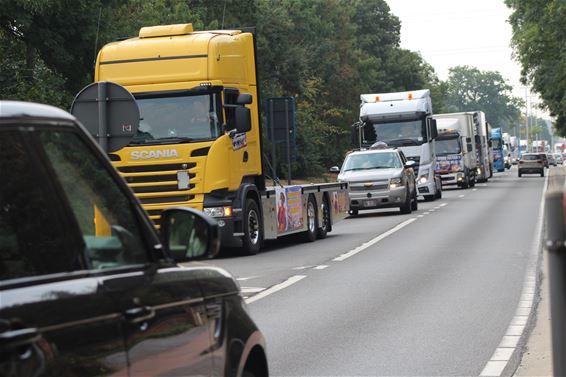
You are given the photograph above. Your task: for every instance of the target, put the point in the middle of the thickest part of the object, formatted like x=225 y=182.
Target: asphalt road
x=433 y=293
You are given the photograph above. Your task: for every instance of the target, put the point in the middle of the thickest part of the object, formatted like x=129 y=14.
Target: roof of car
x=18 y=109
x=371 y=151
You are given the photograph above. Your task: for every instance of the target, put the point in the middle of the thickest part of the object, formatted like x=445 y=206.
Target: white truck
x=483 y=149
x=456 y=162
x=403 y=120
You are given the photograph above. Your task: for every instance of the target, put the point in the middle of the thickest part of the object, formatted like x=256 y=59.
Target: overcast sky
x=448 y=33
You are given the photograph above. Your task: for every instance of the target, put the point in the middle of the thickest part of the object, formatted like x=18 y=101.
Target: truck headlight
x=395 y=182
x=218 y=211
x=423 y=177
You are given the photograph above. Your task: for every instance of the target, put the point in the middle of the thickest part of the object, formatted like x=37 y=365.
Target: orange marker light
x=376 y=98
x=410 y=96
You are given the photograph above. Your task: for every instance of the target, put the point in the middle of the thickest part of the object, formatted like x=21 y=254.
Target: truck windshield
x=448 y=146
x=395 y=133
x=179 y=118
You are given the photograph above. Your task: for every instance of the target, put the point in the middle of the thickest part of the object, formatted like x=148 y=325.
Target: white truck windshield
x=178 y=118
x=448 y=146
x=395 y=133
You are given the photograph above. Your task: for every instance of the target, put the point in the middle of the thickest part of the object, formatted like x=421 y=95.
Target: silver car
x=381 y=178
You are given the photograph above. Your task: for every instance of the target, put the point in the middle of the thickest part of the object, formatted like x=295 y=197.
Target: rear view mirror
x=433 y=128
x=244 y=99
x=243 y=120
x=335 y=169
x=410 y=164
x=468 y=140
x=187 y=234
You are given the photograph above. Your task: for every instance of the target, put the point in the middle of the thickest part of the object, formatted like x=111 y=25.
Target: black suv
x=87 y=287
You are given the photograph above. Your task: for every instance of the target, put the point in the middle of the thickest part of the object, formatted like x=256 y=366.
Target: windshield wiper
x=374 y=167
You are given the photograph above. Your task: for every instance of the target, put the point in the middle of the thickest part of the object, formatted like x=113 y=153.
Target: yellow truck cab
x=199 y=138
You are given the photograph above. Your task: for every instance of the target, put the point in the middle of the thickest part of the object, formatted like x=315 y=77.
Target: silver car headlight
x=395 y=182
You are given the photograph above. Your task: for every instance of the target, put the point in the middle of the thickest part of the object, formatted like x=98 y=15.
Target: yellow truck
x=199 y=138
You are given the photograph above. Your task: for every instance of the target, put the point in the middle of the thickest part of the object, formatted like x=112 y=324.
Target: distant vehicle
x=531 y=163
x=403 y=120
x=551 y=160
x=87 y=286
x=456 y=159
x=558 y=158
x=498 y=150
x=380 y=178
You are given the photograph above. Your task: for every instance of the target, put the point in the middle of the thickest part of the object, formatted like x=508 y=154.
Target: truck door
x=54 y=318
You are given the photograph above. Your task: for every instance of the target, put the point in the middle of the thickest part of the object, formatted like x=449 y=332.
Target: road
x=430 y=293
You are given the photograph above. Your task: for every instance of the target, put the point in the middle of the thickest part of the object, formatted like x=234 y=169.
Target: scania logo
x=144 y=155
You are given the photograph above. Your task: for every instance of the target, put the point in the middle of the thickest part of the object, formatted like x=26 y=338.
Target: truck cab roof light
x=165 y=30
x=410 y=96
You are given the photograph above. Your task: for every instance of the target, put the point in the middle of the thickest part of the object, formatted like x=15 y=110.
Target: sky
x=448 y=33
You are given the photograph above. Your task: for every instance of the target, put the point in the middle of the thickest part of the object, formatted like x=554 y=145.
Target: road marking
x=426 y=213
x=321 y=267
x=373 y=241
x=247 y=278
x=419 y=216
x=508 y=345
x=475 y=189
x=461 y=196
x=443 y=204
x=276 y=288
x=302 y=267
x=246 y=290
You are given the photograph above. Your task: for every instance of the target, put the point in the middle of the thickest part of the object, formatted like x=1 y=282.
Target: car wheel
x=325 y=228
x=312 y=221
x=542 y=173
x=406 y=207
x=429 y=198
x=415 y=202
x=253 y=232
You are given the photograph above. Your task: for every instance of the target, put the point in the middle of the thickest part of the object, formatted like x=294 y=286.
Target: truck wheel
x=253 y=229
x=438 y=194
x=466 y=182
x=429 y=198
x=473 y=182
x=325 y=227
x=542 y=173
x=406 y=207
x=520 y=174
x=415 y=202
x=312 y=221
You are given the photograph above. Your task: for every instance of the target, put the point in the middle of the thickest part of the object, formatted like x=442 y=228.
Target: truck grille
x=374 y=187
x=160 y=180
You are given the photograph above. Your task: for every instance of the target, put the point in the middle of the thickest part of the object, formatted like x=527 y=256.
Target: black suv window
x=34 y=239
x=105 y=215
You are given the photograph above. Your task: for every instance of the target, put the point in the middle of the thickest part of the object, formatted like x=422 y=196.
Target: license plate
x=370 y=203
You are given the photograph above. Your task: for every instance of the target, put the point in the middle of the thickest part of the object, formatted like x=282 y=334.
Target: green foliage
x=539 y=37
x=469 y=89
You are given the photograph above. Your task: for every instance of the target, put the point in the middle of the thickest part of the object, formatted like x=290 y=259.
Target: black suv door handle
x=16 y=338
x=139 y=314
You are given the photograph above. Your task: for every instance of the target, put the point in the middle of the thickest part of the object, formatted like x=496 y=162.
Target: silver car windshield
x=386 y=160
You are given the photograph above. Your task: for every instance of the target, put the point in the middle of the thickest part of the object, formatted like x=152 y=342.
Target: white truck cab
x=403 y=120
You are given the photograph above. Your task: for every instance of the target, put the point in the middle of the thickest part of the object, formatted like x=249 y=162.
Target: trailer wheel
x=312 y=221
x=253 y=229
x=325 y=227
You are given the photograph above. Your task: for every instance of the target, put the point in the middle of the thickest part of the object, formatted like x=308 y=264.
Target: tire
x=438 y=194
x=473 y=182
x=309 y=235
x=253 y=229
x=542 y=173
x=406 y=207
x=429 y=198
x=466 y=182
x=325 y=226
x=415 y=202
x=520 y=174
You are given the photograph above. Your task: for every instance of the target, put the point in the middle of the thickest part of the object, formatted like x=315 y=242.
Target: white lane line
x=246 y=290
x=302 y=267
x=419 y=216
x=508 y=345
x=443 y=204
x=276 y=288
x=373 y=241
x=426 y=213
x=461 y=196
x=475 y=189
x=247 y=278
x=321 y=267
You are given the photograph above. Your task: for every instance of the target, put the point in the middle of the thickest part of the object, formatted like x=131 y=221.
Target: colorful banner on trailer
x=448 y=164
x=340 y=201
x=289 y=209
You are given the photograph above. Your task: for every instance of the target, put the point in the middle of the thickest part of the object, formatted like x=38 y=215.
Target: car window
x=105 y=215
x=530 y=157
x=34 y=237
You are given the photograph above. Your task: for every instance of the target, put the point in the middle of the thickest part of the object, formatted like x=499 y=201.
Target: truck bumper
x=427 y=188
x=452 y=178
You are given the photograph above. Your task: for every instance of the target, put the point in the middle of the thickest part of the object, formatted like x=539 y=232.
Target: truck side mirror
x=187 y=234
x=469 y=147
x=242 y=119
x=468 y=140
x=244 y=99
x=433 y=128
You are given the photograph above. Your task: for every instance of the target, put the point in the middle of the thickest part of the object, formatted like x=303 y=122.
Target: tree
x=469 y=89
x=539 y=37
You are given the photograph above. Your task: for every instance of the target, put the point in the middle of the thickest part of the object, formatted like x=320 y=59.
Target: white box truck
x=403 y=120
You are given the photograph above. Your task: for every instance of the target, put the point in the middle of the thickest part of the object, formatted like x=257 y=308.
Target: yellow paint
x=173 y=57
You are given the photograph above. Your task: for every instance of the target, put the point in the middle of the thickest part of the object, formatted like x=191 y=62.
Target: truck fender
x=247 y=190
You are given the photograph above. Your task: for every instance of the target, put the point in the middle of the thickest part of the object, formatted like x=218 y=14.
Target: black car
x=87 y=286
